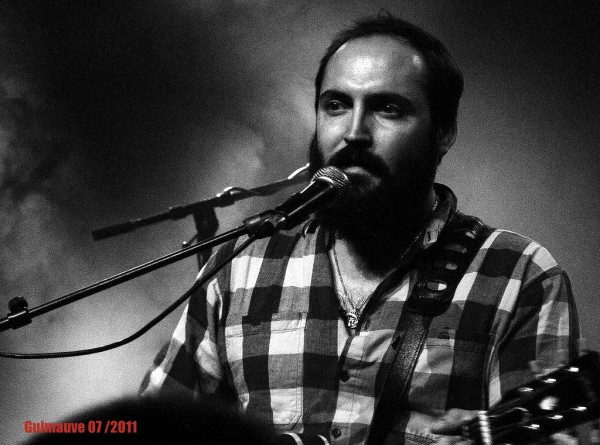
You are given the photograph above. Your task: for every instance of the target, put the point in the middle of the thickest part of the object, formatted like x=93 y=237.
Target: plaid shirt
x=268 y=331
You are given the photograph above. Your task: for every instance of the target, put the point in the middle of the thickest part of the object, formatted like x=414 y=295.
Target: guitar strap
x=439 y=270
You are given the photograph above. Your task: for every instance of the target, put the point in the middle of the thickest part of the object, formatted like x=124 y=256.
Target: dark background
x=115 y=110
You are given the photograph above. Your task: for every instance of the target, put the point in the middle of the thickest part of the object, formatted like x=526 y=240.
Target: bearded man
x=294 y=331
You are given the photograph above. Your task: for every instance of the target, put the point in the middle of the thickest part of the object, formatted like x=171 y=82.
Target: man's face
x=373 y=117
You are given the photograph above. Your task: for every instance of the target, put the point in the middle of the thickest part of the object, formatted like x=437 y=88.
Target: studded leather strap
x=439 y=269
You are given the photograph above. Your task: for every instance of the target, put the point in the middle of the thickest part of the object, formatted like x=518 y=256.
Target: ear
x=445 y=139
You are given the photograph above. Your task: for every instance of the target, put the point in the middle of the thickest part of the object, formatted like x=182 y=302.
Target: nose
x=359 y=130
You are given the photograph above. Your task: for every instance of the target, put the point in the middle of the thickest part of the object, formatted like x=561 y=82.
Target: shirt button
x=344 y=376
x=336 y=432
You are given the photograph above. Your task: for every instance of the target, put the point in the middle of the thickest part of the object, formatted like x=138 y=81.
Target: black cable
x=199 y=282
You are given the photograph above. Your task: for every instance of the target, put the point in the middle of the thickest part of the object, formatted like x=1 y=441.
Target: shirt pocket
x=452 y=369
x=265 y=358
x=444 y=343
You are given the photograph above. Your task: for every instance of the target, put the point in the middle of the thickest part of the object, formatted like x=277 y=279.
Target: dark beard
x=382 y=221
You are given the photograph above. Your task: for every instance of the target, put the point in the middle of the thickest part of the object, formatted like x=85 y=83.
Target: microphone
x=326 y=186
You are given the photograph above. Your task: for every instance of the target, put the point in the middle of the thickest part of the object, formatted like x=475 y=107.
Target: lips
x=356 y=170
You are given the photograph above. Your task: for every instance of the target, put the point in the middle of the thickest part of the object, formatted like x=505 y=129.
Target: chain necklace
x=352 y=311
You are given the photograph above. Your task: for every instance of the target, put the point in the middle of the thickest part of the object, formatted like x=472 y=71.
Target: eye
x=391 y=111
x=334 y=107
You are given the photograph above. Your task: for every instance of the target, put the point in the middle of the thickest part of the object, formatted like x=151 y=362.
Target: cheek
x=392 y=146
x=398 y=147
x=325 y=143
x=330 y=133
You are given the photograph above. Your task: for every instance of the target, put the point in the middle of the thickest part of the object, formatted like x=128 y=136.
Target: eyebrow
x=382 y=96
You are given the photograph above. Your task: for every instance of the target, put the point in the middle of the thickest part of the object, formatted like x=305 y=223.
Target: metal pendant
x=352 y=319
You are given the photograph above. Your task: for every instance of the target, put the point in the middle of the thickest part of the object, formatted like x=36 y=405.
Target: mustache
x=353 y=157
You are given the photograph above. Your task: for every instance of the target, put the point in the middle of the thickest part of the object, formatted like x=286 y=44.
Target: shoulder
x=509 y=242
x=517 y=256
x=508 y=255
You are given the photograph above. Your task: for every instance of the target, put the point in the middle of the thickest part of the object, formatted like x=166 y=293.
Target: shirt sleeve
x=542 y=331
x=189 y=365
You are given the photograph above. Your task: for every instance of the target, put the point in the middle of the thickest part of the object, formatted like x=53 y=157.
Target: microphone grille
x=335 y=177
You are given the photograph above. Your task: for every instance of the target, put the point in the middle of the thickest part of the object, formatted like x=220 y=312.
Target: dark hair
x=444 y=78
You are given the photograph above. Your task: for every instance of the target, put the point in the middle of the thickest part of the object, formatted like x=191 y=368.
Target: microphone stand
x=258 y=226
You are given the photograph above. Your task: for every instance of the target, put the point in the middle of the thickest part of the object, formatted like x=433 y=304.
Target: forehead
x=380 y=60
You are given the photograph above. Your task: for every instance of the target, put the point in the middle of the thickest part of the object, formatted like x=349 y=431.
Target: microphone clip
x=265 y=224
